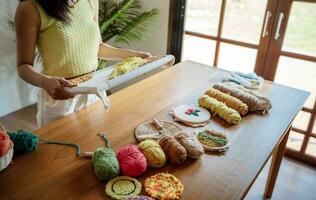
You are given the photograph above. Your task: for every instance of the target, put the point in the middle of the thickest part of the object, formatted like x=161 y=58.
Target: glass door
x=274 y=38
x=226 y=33
x=291 y=60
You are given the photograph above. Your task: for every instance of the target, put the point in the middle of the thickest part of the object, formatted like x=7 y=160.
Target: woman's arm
x=108 y=52
x=27 y=23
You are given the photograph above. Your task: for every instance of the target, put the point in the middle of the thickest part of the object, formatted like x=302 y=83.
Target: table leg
x=275 y=165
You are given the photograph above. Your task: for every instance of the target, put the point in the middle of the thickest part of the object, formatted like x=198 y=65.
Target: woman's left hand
x=142 y=54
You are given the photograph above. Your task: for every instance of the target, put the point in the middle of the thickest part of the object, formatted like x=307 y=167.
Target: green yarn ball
x=105 y=163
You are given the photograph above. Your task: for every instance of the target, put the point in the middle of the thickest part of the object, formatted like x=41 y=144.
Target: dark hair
x=59 y=9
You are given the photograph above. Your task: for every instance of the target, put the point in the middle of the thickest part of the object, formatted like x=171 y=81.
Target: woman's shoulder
x=27 y=9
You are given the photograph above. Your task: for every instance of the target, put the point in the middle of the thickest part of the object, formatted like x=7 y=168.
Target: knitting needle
x=160 y=126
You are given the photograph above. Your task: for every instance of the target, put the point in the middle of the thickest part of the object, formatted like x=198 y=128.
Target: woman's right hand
x=55 y=87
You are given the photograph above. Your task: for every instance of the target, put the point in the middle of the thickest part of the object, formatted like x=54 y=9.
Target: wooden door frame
x=269 y=69
x=176 y=28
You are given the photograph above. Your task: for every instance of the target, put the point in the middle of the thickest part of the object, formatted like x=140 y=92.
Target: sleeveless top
x=69 y=50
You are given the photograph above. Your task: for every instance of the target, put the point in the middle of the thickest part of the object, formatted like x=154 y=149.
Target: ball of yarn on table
x=132 y=161
x=105 y=163
x=193 y=147
x=228 y=114
x=256 y=103
x=154 y=154
x=175 y=152
x=5 y=143
x=230 y=101
x=23 y=141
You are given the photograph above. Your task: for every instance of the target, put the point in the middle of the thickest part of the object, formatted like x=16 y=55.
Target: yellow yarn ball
x=153 y=152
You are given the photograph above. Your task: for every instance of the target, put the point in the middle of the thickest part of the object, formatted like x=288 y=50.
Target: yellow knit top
x=69 y=50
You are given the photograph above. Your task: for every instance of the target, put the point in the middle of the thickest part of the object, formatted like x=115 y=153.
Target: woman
x=68 y=38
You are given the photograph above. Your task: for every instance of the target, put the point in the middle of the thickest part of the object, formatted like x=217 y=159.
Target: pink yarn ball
x=132 y=161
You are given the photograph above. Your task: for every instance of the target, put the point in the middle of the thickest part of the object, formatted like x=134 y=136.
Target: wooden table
x=54 y=172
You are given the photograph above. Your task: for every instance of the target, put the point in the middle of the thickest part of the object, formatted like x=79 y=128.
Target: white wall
x=15 y=94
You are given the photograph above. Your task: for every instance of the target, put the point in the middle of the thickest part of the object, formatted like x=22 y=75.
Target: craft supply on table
x=193 y=147
x=164 y=186
x=191 y=115
x=175 y=152
x=6 y=159
x=255 y=103
x=213 y=141
x=123 y=187
x=247 y=80
x=6 y=149
x=149 y=130
x=218 y=108
x=132 y=161
x=230 y=101
x=5 y=142
x=25 y=142
x=104 y=161
x=139 y=198
x=153 y=152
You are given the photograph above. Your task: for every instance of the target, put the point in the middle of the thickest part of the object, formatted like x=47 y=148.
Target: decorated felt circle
x=212 y=140
x=122 y=187
x=139 y=198
x=191 y=114
x=163 y=186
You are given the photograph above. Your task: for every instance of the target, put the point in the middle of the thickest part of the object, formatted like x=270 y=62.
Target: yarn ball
x=105 y=163
x=153 y=152
x=23 y=141
x=132 y=161
x=193 y=147
x=175 y=152
x=5 y=143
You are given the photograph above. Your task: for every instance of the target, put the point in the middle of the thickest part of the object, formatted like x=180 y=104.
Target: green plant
x=123 y=20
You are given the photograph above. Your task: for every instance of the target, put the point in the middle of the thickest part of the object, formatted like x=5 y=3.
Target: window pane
x=295 y=141
x=299 y=74
x=311 y=147
x=198 y=49
x=301 y=120
x=236 y=58
x=300 y=35
x=202 y=16
x=244 y=20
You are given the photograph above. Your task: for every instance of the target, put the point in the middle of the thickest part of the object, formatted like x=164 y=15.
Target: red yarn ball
x=5 y=143
x=132 y=161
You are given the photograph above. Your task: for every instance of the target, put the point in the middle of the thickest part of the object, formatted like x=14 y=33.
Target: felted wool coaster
x=122 y=187
x=163 y=186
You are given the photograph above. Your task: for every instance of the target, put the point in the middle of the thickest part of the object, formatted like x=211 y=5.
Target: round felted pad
x=139 y=198
x=191 y=114
x=122 y=187
x=163 y=186
x=213 y=141
x=148 y=130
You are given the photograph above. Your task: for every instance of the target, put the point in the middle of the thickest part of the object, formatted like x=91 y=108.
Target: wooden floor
x=295 y=180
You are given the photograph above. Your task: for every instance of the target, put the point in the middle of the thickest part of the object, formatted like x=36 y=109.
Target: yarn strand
x=228 y=114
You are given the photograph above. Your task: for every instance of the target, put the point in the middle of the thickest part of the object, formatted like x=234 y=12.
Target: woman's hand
x=55 y=87
x=142 y=54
